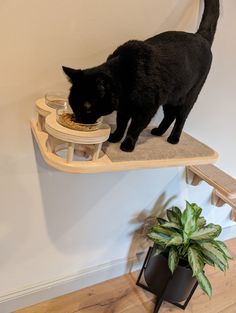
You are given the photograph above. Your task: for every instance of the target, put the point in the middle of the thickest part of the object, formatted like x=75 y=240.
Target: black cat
x=168 y=69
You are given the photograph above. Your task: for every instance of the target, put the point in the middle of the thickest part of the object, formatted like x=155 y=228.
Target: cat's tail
x=209 y=20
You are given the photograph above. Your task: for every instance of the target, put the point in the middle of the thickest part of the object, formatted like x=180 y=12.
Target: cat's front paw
x=114 y=137
x=173 y=140
x=157 y=132
x=127 y=145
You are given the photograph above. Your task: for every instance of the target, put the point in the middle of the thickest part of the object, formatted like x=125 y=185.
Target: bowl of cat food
x=56 y=100
x=66 y=118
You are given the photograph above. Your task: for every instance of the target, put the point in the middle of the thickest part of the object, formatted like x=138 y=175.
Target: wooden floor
x=121 y=295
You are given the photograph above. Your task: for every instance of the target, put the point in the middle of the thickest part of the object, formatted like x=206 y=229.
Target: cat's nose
x=87 y=106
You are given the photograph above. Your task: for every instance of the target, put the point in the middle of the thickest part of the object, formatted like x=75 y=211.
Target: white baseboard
x=47 y=290
x=63 y=285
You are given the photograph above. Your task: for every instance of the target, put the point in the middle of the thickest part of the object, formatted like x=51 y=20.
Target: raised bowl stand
x=85 y=144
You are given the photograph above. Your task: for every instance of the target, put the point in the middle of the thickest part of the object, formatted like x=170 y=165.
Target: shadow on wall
x=73 y=204
x=146 y=220
x=87 y=214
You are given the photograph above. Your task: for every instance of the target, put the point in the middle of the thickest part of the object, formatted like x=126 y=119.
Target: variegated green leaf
x=171 y=225
x=173 y=217
x=186 y=238
x=214 y=254
x=188 y=219
x=197 y=209
x=163 y=230
x=177 y=211
x=195 y=260
x=204 y=283
x=176 y=240
x=160 y=239
x=224 y=248
x=205 y=233
x=222 y=266
x=207 y=260
x=158 y=250
x=173 y=259
x=201 y=222
x=161 y=220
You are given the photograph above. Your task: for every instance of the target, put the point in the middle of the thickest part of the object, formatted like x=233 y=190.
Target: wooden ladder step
x=218 y=179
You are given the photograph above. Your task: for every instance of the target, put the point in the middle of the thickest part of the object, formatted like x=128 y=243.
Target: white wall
x=55 y=225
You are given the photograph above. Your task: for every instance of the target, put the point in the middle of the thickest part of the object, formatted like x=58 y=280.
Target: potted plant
x=183 y=245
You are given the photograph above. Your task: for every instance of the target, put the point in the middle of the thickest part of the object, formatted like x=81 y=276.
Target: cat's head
x=91 y=94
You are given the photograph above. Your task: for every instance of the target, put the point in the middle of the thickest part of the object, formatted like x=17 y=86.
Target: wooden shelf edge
x=104 y=164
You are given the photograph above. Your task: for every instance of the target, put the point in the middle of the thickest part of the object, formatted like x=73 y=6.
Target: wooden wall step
x=218 y=179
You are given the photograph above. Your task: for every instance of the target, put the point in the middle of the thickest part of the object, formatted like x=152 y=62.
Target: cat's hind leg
x=170 y=112
x=177 y=129
x=183 y=112
x=122 y=120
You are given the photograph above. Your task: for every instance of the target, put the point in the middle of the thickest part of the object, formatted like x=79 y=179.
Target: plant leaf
x=161 y=229
x=204 y=283
x=201 y=222
x=205 y=233
x=188 y=219
x=222 y=266
x=176 y=240
x=177 y=211
x=171 y=225
x=207 y=260
x=224 y=248
x=158 y=238
x=173 y=217
x=173 y=259
x=159 y=250
x=161 y=220
x=197 y=209
x=195 y=260
x=211 y=251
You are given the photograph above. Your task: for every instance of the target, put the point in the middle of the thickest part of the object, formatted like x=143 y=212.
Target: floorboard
x=121 y=295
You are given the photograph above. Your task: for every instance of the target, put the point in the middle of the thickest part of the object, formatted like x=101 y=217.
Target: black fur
x=166 y=70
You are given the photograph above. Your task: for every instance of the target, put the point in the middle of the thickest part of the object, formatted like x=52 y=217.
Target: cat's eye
x=100 y=85
x=100 y=90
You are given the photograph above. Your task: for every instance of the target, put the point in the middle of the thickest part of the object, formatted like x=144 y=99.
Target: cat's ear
x=73 y=75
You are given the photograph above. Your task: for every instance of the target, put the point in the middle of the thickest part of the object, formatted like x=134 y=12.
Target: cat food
x=68 y=120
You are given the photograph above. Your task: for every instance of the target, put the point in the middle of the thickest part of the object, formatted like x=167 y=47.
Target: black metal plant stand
x=161 y=297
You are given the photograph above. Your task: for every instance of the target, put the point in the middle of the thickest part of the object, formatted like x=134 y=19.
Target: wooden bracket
x=216 y=200
x=233 y=215
x=219 y=200
x=192 y=178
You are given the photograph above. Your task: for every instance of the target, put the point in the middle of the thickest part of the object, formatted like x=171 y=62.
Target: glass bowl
x=56 y=100
x=67 y=119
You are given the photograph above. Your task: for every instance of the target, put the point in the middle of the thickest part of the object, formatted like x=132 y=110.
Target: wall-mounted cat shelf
x=224 y=185
x=62 y=148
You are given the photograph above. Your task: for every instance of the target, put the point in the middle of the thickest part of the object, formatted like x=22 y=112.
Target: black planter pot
x=159 y=279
